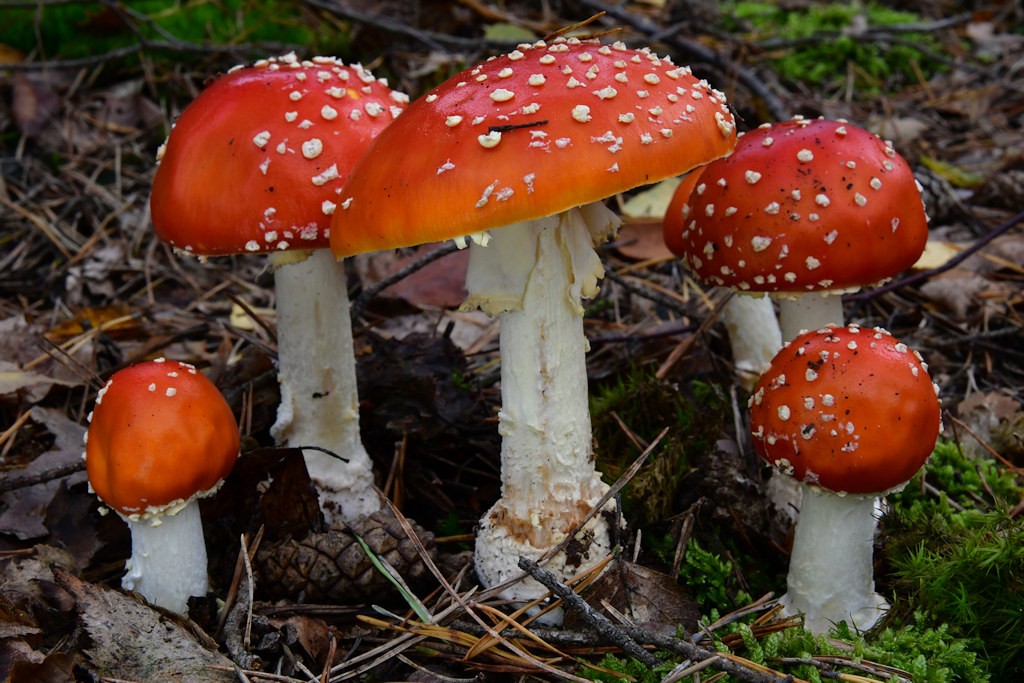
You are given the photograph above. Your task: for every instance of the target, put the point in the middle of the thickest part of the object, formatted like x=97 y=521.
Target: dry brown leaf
x=56 y=667
x=312 y=634
x=651 y=600
x=440 y=283
x=33 y=386
x=132 y=641
x=24 y=592
x=642 y=240
x=26 y=507
x=33 y=103
x=957 y=291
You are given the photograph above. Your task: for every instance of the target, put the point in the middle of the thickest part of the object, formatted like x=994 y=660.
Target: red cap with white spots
x=161 y=434
x=545 y=128
x=256 y=162
x=806 y=205
x=847 y=409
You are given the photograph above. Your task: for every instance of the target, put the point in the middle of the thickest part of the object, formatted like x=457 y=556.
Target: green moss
x=708 y=577
x=929 y=654
x=969 y=483
x=80 y=30
x=819 y=47
x=956 y=554
x=966 y=569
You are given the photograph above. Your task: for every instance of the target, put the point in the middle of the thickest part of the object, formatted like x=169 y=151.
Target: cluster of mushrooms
x=310 y=161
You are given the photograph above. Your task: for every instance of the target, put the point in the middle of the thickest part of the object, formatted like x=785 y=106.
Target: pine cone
x=1003 y=190
x=941 y=199
x=331 y=567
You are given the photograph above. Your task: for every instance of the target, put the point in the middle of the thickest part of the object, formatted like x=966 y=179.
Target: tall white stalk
x=317 y=372
x=831 y=570
x=534 y=274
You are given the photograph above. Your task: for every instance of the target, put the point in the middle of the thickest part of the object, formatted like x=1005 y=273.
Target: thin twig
x=923 y=275
x=369 y=293
x=626 y=634
x=598 y=621
x=14 y=483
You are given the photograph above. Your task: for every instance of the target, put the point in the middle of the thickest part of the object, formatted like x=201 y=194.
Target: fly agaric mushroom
x=160 y=437
x=280 y=137
x=750 y=321
x=530 y=142
x=852 y=414
x=805 y=209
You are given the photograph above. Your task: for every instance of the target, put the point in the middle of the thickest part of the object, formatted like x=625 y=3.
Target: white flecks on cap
x=581 y=113
x=329 y=174
x=490 y=139
x=312 y=148
x=502 y=95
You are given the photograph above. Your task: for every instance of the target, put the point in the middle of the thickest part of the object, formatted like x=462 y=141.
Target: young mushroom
x=852 y=414
x=805 y=210
x=750 y=321
x=254 y=165
x=526 y=146
x=160 y=437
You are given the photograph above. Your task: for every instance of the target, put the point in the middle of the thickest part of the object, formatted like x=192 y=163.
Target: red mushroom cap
x=532 y=133
x=255 y=163
x=847 y=409
x=802 y=206
x=675 y=214
x=160 y=433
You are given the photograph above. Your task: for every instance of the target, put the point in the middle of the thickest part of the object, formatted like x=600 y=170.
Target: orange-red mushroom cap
x=255 y=163
x=847 y=409
x=804 y=205
x=161 y=434
x=532 y=133
x=672 y=223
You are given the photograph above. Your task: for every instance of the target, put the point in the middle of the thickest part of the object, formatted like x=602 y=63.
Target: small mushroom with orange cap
x=254 y=165
x=160 y=437
x=517 y=153
x=852 y=414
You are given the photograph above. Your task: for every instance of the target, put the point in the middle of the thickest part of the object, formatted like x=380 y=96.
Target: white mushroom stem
x=317 y=372
x=811 y=311
x=797 y=313
x=753 y=335
x=534 y=274
x=168 y=562
x=831 y=573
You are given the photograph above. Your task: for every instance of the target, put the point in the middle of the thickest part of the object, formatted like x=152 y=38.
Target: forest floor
x=87 y=289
